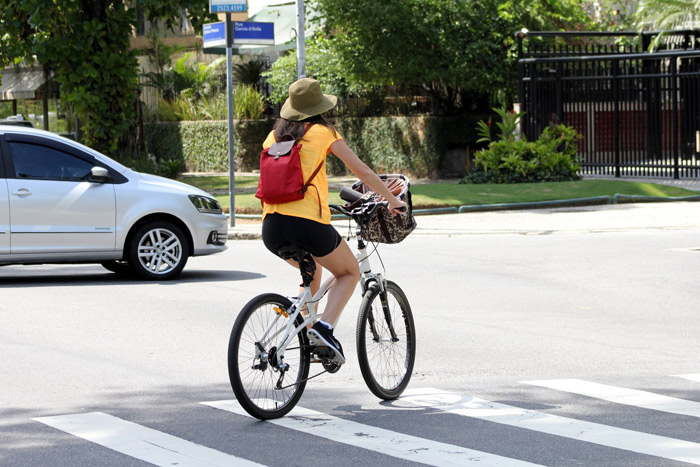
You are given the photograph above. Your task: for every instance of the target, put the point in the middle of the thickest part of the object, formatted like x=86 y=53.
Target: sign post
x=301 y=41
x=226 y=34
x=228 y=7
x=229 y=112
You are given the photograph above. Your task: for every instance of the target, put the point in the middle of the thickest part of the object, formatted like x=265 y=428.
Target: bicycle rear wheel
x=262 y=389
x=386 y=340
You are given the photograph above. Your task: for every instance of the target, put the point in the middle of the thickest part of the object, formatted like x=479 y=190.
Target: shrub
x=248 y=103
x=507 y=127
x=509 y=160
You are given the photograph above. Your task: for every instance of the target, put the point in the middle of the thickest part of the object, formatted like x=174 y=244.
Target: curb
x=536 y=204
x=620 y=198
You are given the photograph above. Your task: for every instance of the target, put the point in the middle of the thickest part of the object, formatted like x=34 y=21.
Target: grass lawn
x=433 y=195
x=439 y=195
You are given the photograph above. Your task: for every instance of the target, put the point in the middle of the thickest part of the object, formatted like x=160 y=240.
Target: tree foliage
x=323 y=63
x=86 y=44
x=668 y=14
x=452 y=49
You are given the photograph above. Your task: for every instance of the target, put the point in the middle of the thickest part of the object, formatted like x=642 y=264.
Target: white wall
x=255 y=5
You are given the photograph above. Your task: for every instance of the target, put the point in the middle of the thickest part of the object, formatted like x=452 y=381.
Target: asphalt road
x=507 y=316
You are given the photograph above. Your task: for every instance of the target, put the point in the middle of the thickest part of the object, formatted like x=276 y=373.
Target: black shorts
x=316 y=238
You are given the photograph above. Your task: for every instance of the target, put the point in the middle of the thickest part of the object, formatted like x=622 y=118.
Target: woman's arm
x=341 y=149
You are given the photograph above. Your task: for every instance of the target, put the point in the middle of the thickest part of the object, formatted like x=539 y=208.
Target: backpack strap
x=305 y=131
x=308 y=184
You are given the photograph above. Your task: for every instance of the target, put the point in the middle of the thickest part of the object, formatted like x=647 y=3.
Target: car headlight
x=205 y=204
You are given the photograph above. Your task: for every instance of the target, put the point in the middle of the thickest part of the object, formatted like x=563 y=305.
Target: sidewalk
x=599 y=218
x=687 y=183
x=592 y=219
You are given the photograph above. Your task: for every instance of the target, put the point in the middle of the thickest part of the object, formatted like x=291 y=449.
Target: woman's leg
x=343 y=265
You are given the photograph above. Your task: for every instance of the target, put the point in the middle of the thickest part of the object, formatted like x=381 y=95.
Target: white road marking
x=140 y=442
x=693 y=377
x=619 y=438
x=633 y=397
x=375 y=439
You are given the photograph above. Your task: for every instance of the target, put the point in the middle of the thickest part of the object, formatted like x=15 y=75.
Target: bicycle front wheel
x=386 y=340
x=265 y=386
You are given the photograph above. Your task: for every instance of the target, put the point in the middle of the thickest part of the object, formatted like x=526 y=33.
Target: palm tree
x=251 y=72
x=664 y=15
x=667 y=15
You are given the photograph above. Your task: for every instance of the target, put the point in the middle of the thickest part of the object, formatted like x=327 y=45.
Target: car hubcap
x=160 y=251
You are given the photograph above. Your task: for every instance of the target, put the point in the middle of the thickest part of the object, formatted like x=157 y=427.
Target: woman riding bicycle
x=306 y=222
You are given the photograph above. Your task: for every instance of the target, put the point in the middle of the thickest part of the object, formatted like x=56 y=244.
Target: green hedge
x=203 y=146
x=411 y=145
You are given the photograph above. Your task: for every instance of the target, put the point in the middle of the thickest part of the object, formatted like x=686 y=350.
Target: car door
x=53 y=208
x=4 y=212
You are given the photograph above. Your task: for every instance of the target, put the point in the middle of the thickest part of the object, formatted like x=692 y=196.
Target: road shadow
x=89 y=275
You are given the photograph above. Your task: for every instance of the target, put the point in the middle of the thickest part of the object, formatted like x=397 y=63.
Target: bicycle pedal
x=324 y=353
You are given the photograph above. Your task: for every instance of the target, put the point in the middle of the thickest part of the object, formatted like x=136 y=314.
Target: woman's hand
x=397 y=206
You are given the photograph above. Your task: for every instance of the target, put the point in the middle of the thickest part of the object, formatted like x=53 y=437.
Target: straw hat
x=306 y=100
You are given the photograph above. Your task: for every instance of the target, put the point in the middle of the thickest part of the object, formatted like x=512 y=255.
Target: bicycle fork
x=383 y=295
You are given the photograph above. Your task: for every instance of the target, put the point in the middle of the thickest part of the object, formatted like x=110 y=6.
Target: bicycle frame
x=305 y=298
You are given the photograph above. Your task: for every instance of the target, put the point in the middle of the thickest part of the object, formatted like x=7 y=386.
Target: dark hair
x=293 y=130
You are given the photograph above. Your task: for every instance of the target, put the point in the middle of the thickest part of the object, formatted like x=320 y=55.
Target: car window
x=41 y=162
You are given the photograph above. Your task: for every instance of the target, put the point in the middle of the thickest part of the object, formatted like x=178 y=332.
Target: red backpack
x=281 y=179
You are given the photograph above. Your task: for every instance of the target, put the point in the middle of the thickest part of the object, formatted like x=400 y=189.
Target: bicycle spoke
x=386 y=344
x=263 y=387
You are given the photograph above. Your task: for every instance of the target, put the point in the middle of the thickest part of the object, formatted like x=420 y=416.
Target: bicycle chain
x=302 y=381
x=305 y=379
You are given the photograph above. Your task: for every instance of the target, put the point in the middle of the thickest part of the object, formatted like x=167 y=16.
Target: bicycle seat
x=292 y=251
x=307 y=264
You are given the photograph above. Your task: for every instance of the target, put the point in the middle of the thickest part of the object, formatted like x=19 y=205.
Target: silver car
x=62 y=202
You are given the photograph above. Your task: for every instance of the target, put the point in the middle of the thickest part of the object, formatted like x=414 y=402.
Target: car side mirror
x=99 y=174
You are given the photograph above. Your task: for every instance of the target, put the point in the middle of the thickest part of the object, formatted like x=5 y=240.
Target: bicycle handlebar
x=364 y=209
x=350 y=195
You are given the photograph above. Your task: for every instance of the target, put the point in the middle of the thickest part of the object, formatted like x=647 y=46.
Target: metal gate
x=638 y=113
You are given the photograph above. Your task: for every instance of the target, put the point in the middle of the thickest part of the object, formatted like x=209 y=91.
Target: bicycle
x=269 y=354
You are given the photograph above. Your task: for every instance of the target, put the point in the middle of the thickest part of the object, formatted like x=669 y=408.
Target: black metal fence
x=638 y=113
x=540 y=44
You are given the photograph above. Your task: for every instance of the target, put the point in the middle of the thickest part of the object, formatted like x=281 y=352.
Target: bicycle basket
x=383 y=226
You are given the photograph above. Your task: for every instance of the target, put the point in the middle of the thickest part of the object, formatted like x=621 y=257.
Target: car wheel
x=158 y=250
x=117 y=266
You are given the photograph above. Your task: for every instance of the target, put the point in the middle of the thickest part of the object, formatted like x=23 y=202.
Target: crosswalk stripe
x=619 y=438
x=633 y=397
x=376 y=439
x=140 y=442
x=693 y=377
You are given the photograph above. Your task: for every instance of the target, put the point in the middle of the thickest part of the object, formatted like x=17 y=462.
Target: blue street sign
x=214 y=35
x=227 y=6
x=253 y=33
